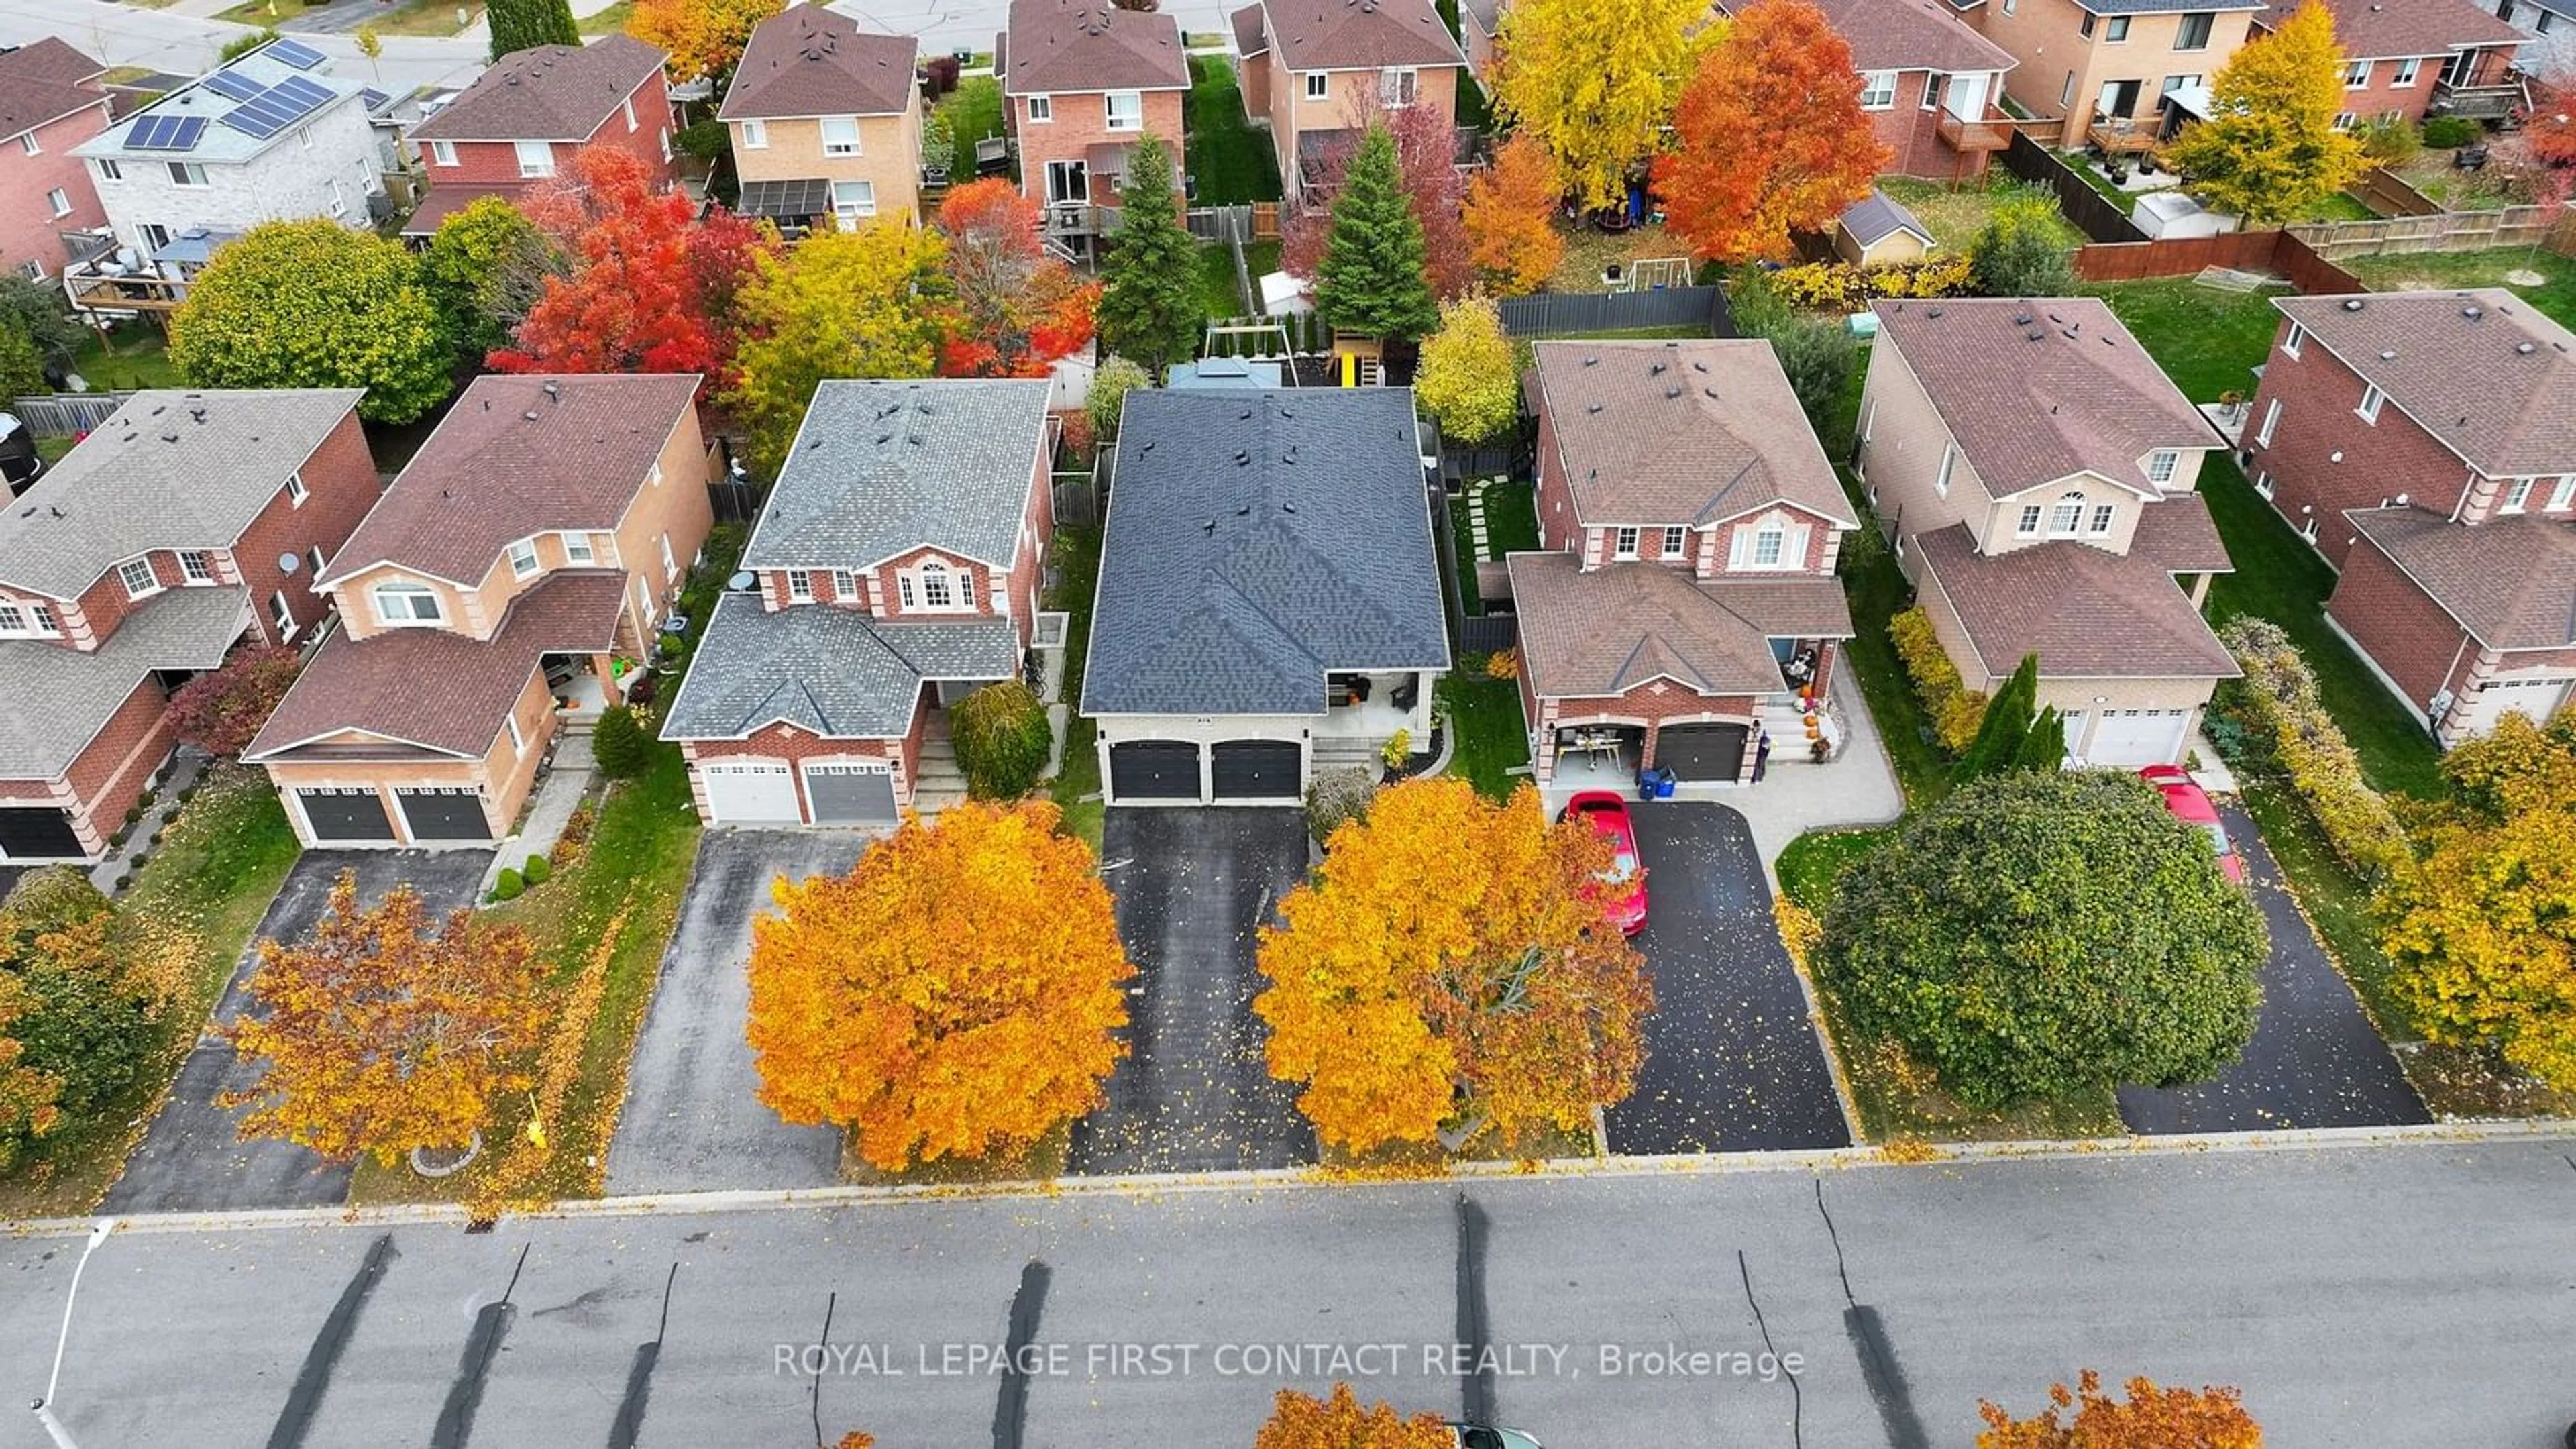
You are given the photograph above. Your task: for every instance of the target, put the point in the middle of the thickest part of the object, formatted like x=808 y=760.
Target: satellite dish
x=286 y=563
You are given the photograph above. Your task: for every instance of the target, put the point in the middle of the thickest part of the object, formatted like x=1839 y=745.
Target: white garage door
x=2538 y=698
x=750 y=792
x=2134 y=737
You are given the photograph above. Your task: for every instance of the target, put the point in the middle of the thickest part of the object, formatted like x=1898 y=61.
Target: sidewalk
x=1857 y=787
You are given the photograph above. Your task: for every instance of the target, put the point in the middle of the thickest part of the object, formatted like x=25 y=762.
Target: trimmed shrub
x=2390 y=140
x=1843 y=287
x=1956 y=710
x=536 y=870
x=1002 y=738
x=619 y=743
x=1110 y=385
x=508 y=886
x=1336 y=797
x=2447 y=132
x=642 y=691
x=2279 y=723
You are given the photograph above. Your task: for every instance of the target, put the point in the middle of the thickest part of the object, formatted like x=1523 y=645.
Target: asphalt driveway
x=1733 y=1063
x=691 y=1122
x=1193 y=888
x=192 y=1157
x=2314 y=1061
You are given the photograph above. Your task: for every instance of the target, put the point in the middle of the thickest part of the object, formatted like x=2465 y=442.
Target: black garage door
x=1255 y=770
x=852 y=794
x=1702 y=751
x=1154 y=770
x=346 y=814
x=43 y=834
x=448 y=814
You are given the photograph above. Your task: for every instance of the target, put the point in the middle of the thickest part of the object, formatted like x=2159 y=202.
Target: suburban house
x=505 y=587
x=2425 y=443
x=1269 y=604
x=1317 y=72
x=522 y=120
x=1480 y=24
x=1082 y=81
x=1878 y=230
x=2105 y=64
x=2037 y=474
x=2423 y=57
x=1684 y=592
x=1932 y=86
x=50 y=102
x=183 y=523
x=2548 y=28
x=895 y=570
x=273 y=136
x=826 y=122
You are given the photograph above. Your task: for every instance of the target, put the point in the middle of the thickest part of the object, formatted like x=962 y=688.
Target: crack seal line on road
x=1876 y=1351
x=1797 y=1395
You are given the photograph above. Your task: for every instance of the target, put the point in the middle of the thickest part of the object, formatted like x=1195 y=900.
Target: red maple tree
x=1426 y=151
x=650 y=285
x=1018 y=309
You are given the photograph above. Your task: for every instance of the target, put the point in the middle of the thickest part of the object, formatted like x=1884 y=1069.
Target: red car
x=2190 y=805
x=1608 y=812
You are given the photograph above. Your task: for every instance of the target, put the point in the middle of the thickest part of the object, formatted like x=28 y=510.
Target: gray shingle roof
x=833 y=671
x=880 y=468
x=1879 y=215
x=1257 y=541
x=548 y=93
x=57 y=699
x=2486 y=373
x=169 y=470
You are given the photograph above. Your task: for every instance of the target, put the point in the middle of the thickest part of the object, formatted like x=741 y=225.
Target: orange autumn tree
x=1769 y=137
x=1511 y=206
x=380 y=1034
x=954 y=994
x=703 y=37
x=1018 y=309
x=1448 y=969
x=2151 y=1418
x=1302 y=1421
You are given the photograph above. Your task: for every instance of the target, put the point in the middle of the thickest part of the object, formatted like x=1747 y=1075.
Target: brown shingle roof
x=1608 y=631
x=1360 y=34
x=2179 y=535
x=439 y=690
x=2397 y=29
x=43 y=82
x=1682 y=432
x=1057 y=46
x=2483 y=371
x=547 y=93
x=518 y=456
x=1906 y=35
x=810 y=61
x=1249 y=39
x=2037 y=389
x=2511 y=583
x=2085 y=613
x=443 y=202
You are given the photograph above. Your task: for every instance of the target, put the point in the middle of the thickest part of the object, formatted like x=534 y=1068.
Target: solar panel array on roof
x=278 y=107
x=294 y=53
x=234 y=84
x=166 y=133
x=373 y=99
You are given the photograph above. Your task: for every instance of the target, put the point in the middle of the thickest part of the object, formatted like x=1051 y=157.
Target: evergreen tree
x=2044 y=748
x=2008 y=719
x=1371 y=280
x=526 y=24
x=1147 y=308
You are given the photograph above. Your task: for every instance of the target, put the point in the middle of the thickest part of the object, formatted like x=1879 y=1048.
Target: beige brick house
x=1317 y=72
x=1082 y=82
x=2037 y=474
x=2105 y=64
x=826 y=122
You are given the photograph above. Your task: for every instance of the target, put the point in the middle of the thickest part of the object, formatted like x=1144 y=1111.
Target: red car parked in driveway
x=1624 y=890
x=2191 y=805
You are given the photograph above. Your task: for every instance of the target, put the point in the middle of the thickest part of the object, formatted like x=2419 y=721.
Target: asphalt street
x=2315 y=1060
x=192 y=1156
x=691 y=1121
x=1732 y=1060
x=1193 y=889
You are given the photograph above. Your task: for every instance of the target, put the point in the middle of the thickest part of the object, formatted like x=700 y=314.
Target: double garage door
x=1165 y=772
x=763 y=792
x=38 y=833
x=431 y=815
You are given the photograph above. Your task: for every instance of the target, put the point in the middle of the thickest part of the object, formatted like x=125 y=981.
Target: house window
x=840 y=135
x=198 y=566
x=2068 y=512
x=155 y=236
x=2116 y=31
x=755 y=135
x=405 y=602
x=670 y=564
x=109 y=171
x=282 y=615
x=1877 y=90
x=36 y=620
x=1676 y=541
x=2012 y=7
x=845 y=586
x=2371 y=398
x=904 y=590
x=2356 y=75
x=2296 y=338
x=2517 y=495
x=186 y=173
x=27 y=143
x=2028 y=527
x=518 y=742
x=1768 y=542
x=966 y=588
x=1941 y=480
x=2103 y=513
x=295 y=494
x=628 y=105
x=60 y=200
x=2161 y=464
x=1399 y=87
x=1623 y=543
x=577 y=549
x=137 y=576
x=2193 y=33
x=523 y=558
x=2562 y=493
x=1932 y=86
x=442 y=153
x=313 y=556
x=935 y=593
x=2066 y=91
x=2271 y=424
x=800 y=586
x=2406 y=72
x=1869 y=420
x=2346 y=120
x=1319 y=85
x=1124 y=110
x=339 y=203
x=2084 y=26
x=536 y=158
x=2263 y=483
x=653 y=478
x=853 y=202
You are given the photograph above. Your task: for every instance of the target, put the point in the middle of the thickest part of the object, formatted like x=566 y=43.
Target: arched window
x=405 y=602
x=935 y=592
x=2068 y=512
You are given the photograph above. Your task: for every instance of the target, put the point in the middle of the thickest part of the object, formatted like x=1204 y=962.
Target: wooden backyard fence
x=2440 y=231
x=2277 y=252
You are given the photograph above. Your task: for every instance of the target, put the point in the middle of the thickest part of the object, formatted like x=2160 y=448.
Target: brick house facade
x=1316 y=76
x=2105 y=64
x=524 y=120
x=2415 y=59
x=50 y=102
x=1081 y=84
x=826 y=122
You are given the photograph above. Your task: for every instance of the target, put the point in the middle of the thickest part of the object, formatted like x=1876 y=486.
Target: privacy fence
x=63 y=414
x=2279 y=252
x=1590 y=314
x=2094 y=214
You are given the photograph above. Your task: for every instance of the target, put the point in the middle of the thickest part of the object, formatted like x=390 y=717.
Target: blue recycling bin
x=1664 y=783
x=1655 y=784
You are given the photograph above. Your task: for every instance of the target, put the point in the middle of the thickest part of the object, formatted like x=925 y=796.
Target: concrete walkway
x=1857 y=787
x=567 y=782
x=181 y=771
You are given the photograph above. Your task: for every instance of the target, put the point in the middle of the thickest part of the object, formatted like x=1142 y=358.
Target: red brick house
x=184 y=523
x=897 y=568
x=522 y=120
x=50 y=101
x=1932 y=87
x=2419 y=58
x=1689 y=522
x=1318 y=74
x=2425 y=443
x=1082 y=81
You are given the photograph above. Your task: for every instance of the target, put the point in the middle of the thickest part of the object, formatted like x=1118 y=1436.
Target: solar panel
x=278 y=107
x=294 y=53
x=373 y=99
x=233 y=84
x=166 y=133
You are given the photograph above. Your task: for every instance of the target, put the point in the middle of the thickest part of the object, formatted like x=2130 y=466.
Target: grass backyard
x=608 y=21
x=2206 y=340
x=1589 y=251
x=1232 y=162
x=1955 y=214
x=973 y=112
x=137 y=356
x=2556 y=295
x=1076 y=787
x=433 y=18
x=1491 y=735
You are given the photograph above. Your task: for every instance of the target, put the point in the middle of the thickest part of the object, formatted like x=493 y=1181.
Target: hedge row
x=1955 y=710
x=2285 y=727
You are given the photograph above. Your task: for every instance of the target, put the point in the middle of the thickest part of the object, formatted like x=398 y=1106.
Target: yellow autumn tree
x=381 y=1034
x=1341 y=1421
x=874 y=302
x=955 y=994
x=2270 y=148
x=1449 y=968
x=702 y=37
x=1510 y=217
x=1594 y=81
x=2483 y=931
x=2150 y=1418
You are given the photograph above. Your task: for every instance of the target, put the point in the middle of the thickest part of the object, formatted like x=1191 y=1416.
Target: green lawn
x=2414 y=270
x=2337 y=206
x=608 y=21
x=2206 y=340
x=1511 y=519
x=1815 y=861
x=1955 y=214
x=1492 y=738
x=1232 y=162
x=1077 y=561
x=2082 y=165
x=137 y=356
x=1218 y=296
x=432 y=18
x=973 y=111
x=1878 y=592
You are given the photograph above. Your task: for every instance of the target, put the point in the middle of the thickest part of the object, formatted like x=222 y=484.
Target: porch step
x=1344 y=752
x=935 y=772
